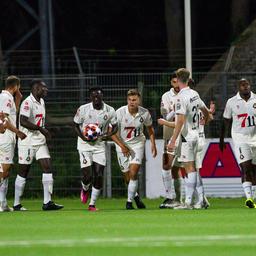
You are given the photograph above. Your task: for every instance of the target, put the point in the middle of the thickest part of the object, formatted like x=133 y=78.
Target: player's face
x=96 y=98
x=175 y=85
x=244 y=88
x=42 y=90
x=133 y=102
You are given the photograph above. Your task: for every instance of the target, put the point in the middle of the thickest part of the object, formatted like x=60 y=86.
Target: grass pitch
x=226 y=228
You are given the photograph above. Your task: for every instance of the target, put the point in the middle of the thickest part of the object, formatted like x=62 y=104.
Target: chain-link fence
x=66 y=94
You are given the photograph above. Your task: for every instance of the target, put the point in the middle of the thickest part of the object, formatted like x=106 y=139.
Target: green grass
x=226 y=228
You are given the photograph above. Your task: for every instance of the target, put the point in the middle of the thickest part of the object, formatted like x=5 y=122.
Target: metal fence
x=66 y=94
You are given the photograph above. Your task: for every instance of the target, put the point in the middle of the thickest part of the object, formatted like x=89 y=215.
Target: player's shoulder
x=232 y=99
x=143 y=110
x=108 y=108
x=27 y=99
x=121 y=110
x=85 y=106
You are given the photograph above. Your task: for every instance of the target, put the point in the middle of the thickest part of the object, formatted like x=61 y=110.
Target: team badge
x=241 y=157
x=141 y=119
x=254 y=105
x=105 y=117
x=28 y=159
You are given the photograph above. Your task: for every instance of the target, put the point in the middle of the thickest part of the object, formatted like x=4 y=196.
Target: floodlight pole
x=187 y=12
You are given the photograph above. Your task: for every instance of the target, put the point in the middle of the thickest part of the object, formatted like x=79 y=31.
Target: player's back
x=188 y=103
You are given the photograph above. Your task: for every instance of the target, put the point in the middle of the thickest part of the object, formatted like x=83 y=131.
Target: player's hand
x=161 y=121
x=212 y=107
x=154 y=150
x=45 y=132
x=21 y=135
x=222 y=145
x=202 y=121
x=126 y=151
x=18 y=96
x=171 y=146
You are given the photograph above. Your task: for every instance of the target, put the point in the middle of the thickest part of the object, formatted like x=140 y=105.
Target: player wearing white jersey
x=9 y=103
x=241 y=110
x=131 y=121
x=32 y=123
x=188 y=104
x=92 y=153
x=170 y=170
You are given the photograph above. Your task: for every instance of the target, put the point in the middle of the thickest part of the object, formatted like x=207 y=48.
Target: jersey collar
x=34 y=99
x=184 y=89
x=92 y=108
x=240 y=98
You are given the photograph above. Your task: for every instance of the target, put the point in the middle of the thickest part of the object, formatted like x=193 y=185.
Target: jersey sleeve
x=113 y=118
x=181 y=106
x=78 y=119
x=5 y=106
x=26 y=108
x=148 y=119
x=228 y=111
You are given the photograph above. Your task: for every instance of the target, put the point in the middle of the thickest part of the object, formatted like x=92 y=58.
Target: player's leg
x=97 y=184
x=86 y=174
x=43 y=157
x=25 y=155
x=188 y=156
x=177 y=181
x=6 y=161
x=99 y=162
x=167 y=179
x=244 y=156
x=133 y=184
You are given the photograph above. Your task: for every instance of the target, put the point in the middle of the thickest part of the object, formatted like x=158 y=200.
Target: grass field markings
x=150 y=241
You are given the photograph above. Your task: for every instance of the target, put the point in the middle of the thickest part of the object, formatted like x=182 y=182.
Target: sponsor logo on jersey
x=141 y=119
x=194 y=98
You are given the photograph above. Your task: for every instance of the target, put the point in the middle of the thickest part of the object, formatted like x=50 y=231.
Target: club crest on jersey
x=254 y=105
x=141 y=119
x=105 y=117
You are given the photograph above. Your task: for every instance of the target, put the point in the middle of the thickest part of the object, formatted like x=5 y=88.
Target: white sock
x=253 y=191
x=132 y=189
x=190 y=187
x=47 y=181
x=199 y=188
x=247 y=186
x=94 y=195
x=136 y=194
x=3 y=192
x=177 y=188
x=167 y=180
x=19 y=188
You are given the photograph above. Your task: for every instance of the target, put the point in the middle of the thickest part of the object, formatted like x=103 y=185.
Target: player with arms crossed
x=131 y=121
x=32 y=123
x=170 y=169
x=241 y=111
x=9 y=104
x=92 y=151
x=188 y=104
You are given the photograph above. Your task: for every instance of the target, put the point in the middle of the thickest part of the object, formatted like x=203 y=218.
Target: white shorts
x=27 y=153
x=136 y=157
x=188 y=151
x=7 y=153
x=245 y=152
x=88 y=157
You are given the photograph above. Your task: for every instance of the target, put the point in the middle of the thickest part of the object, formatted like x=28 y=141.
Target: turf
x=226 y=228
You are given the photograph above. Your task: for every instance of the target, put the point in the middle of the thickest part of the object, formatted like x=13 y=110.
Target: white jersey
x=168 y=111
x=131 y=127
x=35 y=111
x=188 y=103
x=243 y=115
x=7 y=106
x=86 y=114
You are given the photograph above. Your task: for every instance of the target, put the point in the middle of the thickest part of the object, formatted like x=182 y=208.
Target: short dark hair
x=191 y=83
x=35 y=81
x=93 y=89
x=173 y=75
x=12 y=81
x=133 y=92
x=243 y=80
